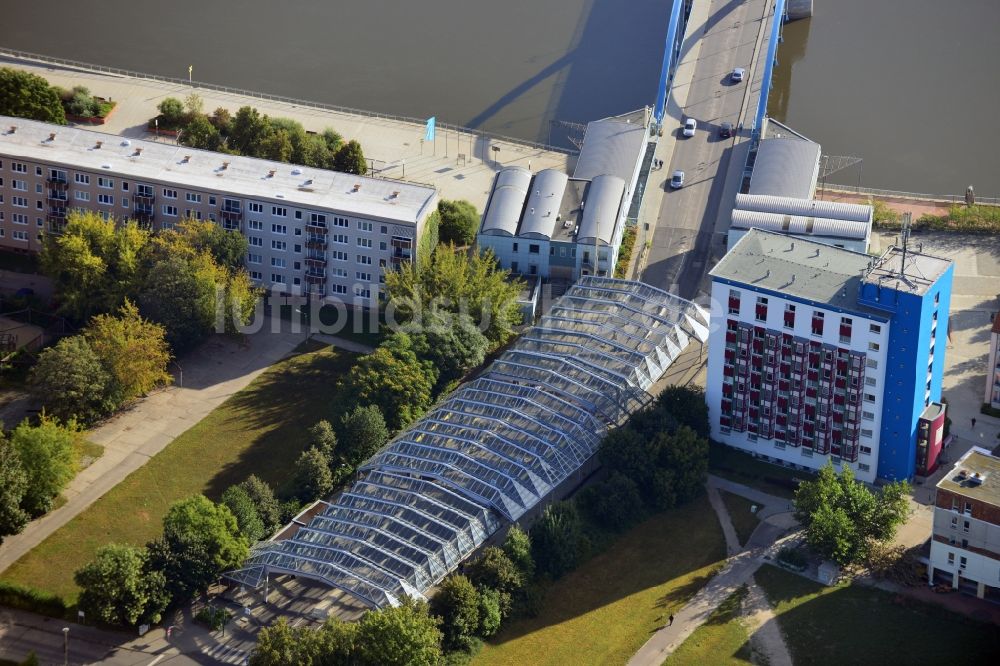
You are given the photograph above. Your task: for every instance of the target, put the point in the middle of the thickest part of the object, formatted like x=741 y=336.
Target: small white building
x=965 y=538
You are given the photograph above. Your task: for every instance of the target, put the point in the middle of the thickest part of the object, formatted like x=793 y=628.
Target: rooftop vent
x=309 y=182
x=126 y=142
x=394 y=195
x=270 y=174
x=97 y=146
x=13 y=128
x=225 y=165
x=187 y=158
x=296 y=171
x=52 y=136
x=138 y=151
x=357 y=186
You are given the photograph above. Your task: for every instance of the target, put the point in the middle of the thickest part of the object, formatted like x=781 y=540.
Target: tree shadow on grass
x=678 y=548
x=275 y=413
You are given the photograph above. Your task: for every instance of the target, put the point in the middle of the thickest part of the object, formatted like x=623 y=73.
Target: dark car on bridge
x=726 y=130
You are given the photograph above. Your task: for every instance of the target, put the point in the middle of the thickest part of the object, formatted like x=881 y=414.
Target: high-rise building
x=310 y=230
x=965 y=543
x=992 y=393
x=819 y=353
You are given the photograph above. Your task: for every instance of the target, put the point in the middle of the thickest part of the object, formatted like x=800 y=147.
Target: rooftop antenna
x=905 y=236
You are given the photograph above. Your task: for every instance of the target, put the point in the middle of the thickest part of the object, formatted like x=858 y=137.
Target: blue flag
x=431 y=126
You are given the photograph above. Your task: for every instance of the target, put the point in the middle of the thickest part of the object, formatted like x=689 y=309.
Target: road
x=682 y=241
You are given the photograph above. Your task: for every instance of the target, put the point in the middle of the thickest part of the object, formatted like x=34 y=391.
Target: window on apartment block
x=734 y=302
x=169 y=193
x=365 y=242
x=277 y=278
x=255 y=207
x=278 y=263
x=760 y=312
x=817 y=322
x=17 y=167
x=279 y=229
x=965 y=526
x=846 y=324
x=106 y=183
x=364 y=226
x=279 y=211
x=962 y=562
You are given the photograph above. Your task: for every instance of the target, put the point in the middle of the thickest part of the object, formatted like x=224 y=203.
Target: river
x=910 y=86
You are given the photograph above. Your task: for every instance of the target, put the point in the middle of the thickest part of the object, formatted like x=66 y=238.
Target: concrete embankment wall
x=799 y=9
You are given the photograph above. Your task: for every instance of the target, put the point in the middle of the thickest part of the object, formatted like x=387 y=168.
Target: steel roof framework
x=493 y=449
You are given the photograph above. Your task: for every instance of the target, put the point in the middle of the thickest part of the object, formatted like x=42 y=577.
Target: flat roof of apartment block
x=248 y=177
x=976 y=475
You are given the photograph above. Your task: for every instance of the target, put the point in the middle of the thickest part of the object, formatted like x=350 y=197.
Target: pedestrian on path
x=973 y=422
x=671 y=621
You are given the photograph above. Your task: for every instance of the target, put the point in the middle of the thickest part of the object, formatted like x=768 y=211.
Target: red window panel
x=810 y=393
x=789 y=319
x=838 y=399
x=752 y=428
x=783 y=404
x=840 y=383
x=838 y=417
x=724 y=421
x=761 y=312
x=781 y=419
x=841 y=366
x=727 y=389
x=807 y=429
x=758 y=346
x=817 y=326
x=810 y=411
x=837 y=437
x=812 y=375
x=780 y=436
x=730 y=336
x=755 y=395
x=734 y=302
x=845 y=330
x=759 y=331
x=728 y=371
x=783 y=384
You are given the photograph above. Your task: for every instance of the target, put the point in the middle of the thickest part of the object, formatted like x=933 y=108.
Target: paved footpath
x=461 y=165
x=214 y=372
x=738 y=570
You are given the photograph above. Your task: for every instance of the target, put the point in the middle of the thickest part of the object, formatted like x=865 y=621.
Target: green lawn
x=856 y=624
x=743 y=520
x=604 y=611
x=741 y=467
x=356 y=326
x=260 y=430
x=723 y=639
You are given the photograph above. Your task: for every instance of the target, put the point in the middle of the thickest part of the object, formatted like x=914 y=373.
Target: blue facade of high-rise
x=914 y=365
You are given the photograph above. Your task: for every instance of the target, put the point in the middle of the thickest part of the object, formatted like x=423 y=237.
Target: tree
x=457 y=282
x=117 y=587
x=844 y=519
x=277 y=146
x=222 y=120
x=13 y=486
x=557 y=540
x=495 y=570
x=267 y=506
x=192 y=237
x=172 y=111
x=452 y=343
x=244 y=510
x=490 y=614
x=459 y=222
x=457 y=604
x=614 y=503
x=194 y=105
x=324 y=438
x=200 y=133
x=71 y=381
x=687 y=405
x=685 y=454
x=281 y=644
x=94 y=263
x=517 y=546
x=313 y=479
x=350 y=159
x=363 y=432
x=180 y=294
x=48 y=456
x=393 y=379
x=133 y=351
x=405 y=635
x=248 y=131
x=200 y=540
x=25 y=95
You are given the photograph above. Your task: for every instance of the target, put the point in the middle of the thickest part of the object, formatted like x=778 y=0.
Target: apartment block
x=992 y=394
x=820 y=353
x=965 y=541
x=309 y=230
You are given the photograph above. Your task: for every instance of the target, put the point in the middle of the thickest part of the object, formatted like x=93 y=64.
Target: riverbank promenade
x=454 y=163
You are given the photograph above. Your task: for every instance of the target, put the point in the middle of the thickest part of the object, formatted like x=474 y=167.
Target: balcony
x=144 y=218
x=231 y=215
x=141 y=199
x=317 y=228
x=56 y=198
x=315 y=276
x=316 y=261
x=58 y=184
x=316 y=243
x=56 y=224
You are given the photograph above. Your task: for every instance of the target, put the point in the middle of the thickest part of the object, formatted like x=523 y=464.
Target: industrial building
x=839 y=224
x=309 y=230
x=965 y=541
x=819 y=353
x=499 y=447
x=562 y=227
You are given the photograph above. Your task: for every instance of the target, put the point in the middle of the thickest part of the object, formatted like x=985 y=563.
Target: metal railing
x=420 y=123
x=874 y=192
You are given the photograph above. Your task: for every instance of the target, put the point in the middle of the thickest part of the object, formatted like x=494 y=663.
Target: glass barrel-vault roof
x=491 y=450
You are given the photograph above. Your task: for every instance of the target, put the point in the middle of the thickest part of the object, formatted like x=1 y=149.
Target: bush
x=614 y=504
x=459 y=222
x=172 y=111
x=794 y=558
x=212 y=617
x=30 y=599
x=989 y=410
x=883 y=215
x=625 y=252
x=557 y=541
x=457 y=604
x=490 y=614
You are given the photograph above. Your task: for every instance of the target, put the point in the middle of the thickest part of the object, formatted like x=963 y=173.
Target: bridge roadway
x=689 y=231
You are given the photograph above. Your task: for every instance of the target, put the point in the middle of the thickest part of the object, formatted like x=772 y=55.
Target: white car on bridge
x=690 y=125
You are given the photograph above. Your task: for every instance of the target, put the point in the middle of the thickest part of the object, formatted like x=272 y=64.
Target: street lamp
x=65 y=646
x=496 y=152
